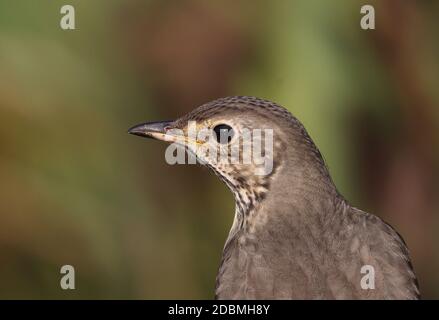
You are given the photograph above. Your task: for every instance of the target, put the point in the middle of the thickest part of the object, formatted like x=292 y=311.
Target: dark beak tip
x=132 y=131
x=144 y=129
x=140 y=134
x=136 y=130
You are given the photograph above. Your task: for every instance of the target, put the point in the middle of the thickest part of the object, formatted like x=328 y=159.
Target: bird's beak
x=155 y=130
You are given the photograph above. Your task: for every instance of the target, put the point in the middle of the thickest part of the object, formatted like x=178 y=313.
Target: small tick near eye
x=223 y=133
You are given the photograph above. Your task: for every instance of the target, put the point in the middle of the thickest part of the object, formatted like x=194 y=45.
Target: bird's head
x=244 y=140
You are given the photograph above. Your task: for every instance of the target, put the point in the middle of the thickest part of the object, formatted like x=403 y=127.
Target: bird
x=293 y=236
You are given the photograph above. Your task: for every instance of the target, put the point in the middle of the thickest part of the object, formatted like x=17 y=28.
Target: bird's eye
x=224 y=133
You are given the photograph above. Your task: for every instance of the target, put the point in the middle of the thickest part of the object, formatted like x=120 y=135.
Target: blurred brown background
x=76 y=189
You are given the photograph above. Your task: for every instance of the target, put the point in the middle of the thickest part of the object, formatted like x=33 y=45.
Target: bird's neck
x=294 y=196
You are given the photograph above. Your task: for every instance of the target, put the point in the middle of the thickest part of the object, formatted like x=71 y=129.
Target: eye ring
x=223 y=133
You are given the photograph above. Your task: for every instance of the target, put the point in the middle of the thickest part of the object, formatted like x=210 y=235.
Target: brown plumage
x=294 y=236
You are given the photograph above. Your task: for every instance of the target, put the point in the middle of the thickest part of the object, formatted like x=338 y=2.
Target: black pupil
x=224 y=133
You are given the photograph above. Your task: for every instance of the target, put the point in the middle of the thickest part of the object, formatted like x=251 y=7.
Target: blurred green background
x=76 y=189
